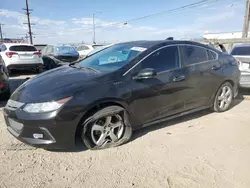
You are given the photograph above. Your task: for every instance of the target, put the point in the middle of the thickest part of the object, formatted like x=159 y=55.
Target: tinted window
x=82 y=48
x=211 y=55
x=40 y=47
x=23 y=48
x=64 y=49
x=96 y=46
x=112 y=58
x=161 y=60
x=194 y=54
x=242 y=50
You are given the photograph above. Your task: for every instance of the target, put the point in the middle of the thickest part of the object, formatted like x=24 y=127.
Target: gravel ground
x=199 y=150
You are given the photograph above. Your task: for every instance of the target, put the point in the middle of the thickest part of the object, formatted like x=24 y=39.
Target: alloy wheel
x=107 y=129
x=225 y=97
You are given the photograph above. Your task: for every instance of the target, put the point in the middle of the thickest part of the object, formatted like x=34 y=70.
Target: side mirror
x=145 y=74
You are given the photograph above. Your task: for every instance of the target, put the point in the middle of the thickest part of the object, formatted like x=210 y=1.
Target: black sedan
x=56 y=56
x=4 y=84
x=124 y=87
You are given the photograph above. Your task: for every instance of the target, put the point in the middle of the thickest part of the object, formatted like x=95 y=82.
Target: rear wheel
x=108 y=127
x=223 y=98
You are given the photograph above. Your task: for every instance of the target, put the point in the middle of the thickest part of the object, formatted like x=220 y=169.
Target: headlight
x=45 y=106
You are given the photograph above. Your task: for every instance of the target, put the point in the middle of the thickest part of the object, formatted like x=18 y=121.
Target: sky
x=64 y=21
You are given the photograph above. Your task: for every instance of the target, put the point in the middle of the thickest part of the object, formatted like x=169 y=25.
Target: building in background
x=11 y=40
x=229 y=35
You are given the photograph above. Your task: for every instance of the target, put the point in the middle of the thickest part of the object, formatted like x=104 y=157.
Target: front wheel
x=223 y=98
x=108 y=127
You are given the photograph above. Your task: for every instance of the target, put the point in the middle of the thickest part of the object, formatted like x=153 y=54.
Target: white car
x=21 y=57
x=242 y=54
x=85 y=49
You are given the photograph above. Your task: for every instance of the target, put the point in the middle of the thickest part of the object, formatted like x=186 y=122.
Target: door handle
x=179 y=78
x=215 y=67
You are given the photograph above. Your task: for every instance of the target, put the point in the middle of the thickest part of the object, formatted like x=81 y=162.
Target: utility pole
x=94 y=25
x=28 y=18
x=246 y=20
x=1 y=33
x=94 y=28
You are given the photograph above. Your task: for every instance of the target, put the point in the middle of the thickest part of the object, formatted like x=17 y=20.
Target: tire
x=223 y=98
x=108 y=127
x=39 y=70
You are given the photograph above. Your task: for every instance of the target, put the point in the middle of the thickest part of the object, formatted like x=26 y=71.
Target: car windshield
x=64 y=49
x=112 y=58
x=97 y=50
x=40 y=47
x=243 y=50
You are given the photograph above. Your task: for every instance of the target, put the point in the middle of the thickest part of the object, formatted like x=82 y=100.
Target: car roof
x=149 y=44
x=16 y=44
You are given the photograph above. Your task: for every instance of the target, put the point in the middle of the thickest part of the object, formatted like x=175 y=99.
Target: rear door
x=203 y=75
x=163 y=95
x=24 y=54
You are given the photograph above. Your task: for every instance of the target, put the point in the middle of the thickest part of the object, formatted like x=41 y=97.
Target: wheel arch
x=226 y=80
x=97 y=106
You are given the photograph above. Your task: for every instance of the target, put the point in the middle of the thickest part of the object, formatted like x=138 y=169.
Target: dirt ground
x=200 y=150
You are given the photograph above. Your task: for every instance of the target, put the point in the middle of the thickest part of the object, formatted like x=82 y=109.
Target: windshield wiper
x=74 y=65
x=89 y=68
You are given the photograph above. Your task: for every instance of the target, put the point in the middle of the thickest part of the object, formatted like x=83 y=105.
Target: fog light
x=37 y=136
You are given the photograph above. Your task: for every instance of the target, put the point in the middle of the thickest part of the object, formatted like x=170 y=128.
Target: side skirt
x=175 y=116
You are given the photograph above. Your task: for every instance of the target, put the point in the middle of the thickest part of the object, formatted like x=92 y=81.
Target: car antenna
x=170 y=38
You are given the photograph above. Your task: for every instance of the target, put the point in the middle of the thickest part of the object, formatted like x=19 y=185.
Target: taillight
x=38 y=53
x=10 y=54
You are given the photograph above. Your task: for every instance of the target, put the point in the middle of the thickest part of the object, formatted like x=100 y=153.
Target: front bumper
x=46 y=130
x=25 y=66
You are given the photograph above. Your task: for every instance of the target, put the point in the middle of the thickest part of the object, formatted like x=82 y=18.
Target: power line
x=28 y=18
x=169 y=11
x=192 y=5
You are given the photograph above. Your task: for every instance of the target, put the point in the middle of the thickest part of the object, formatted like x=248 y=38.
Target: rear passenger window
x=194 y=54
x=163 y=59
x=211 y=55
x=23 y=48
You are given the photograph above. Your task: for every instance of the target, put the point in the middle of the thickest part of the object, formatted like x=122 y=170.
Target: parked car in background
x=39 y=47
x=21 y=57
x=55 y=56
x=124 y=87
x=85 y=49
x=98 y=49
x=242 y=54
x=4 y=84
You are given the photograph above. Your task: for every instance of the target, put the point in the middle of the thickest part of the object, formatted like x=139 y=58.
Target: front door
x=163 y=95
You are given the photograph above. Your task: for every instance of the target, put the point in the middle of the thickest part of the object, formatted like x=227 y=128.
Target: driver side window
x=164 y=59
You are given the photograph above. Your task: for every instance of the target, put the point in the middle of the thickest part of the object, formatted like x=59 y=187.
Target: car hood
x=55 y=84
